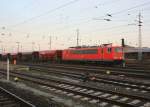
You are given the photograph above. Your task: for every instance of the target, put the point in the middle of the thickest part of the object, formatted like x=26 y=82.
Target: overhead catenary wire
x=50 y=11
x=87 y=20
x=115 y=13
x=84 y=21
x=108 y=28
x=45 y=13
x=140 y=5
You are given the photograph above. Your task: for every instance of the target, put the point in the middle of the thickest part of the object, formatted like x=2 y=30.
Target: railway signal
x=123 y=44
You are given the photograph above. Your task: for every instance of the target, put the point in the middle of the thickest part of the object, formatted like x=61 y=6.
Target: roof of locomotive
x=92 y=47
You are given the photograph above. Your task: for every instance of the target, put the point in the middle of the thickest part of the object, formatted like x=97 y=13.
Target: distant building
x=130 y=49
x=132 y=52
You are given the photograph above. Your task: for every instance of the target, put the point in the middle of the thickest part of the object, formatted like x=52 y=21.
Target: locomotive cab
x=112 y=54
x=118 y=55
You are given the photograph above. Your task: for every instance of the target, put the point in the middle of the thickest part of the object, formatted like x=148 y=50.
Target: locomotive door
x=107 y=53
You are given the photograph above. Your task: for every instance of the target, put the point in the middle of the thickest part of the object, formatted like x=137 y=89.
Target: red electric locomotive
x=105 y=53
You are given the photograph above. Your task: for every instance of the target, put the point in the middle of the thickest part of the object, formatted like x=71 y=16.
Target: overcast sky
x=32 y=22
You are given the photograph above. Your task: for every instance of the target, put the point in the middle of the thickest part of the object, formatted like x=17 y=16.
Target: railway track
x=132 y=63
x=134 y=73
x=100 y=96
x=129 y=66
x=139 y=66
x=8 y=99
x=134 y=86
x=114 y=71
x=128 y=85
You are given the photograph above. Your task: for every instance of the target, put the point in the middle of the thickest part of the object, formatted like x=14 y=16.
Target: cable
x=87 y=21
x=62 y=6
x=108 y=28
x=43 y=14
x=146 y=3
x=115 y=13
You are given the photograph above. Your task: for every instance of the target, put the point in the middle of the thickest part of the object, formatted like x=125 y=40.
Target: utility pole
x=4 y=50
x=21 y=48
x=12 y=49
x=50 y=42
x=140 y=38
x=1 y=47
x=33 y=46
x=18 y=46
x=39 y=46
x=77 y=37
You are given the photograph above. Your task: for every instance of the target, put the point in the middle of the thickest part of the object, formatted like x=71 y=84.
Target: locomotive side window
x=118 y=49
x=109 y=50
x=76 y=52
x=91 y=51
